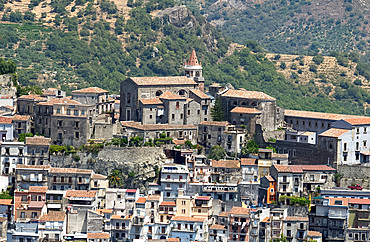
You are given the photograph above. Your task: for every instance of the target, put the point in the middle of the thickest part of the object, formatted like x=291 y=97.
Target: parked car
x=356 y=187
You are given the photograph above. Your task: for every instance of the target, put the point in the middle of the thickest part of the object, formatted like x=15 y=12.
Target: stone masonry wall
x=141 y=162
x=355 y=174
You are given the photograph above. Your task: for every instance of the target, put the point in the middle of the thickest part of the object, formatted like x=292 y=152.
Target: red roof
x=99 y=235
x=358 y=120
x=247 y=95
x=240 y=211
x=131 y=190
x=359 y=201
x=141 y=200
x=80 y=193
x=38 y=189
x=6 y=120
x=245 y=110
x=193 y=60
x=203 y=198
x=167 y=203
x=91 y=90
x=6 y=201
x=170 y=95
x=36 y=204
x=200 y=94
x=188 y=219
x=248 y=162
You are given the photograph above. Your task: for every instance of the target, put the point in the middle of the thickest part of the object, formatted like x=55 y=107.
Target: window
x=77 y=124
x=173 y=116
x=357 y=156
x=181 y=116
x=182 y=210
x=365 y=143
x=312 y=178
x=58 y=110
x=357 y=130
x=77 y=135
x=177 y=105
x=345 y=157
x=345 y=146
x=198 y=112
x=23 y=215
x=150 y=116
x=68 y=111
x=60 y=123
x=82 y=112
x=128 y=97
x=357 y=145
x=75 y=112
x=365 y=130
x=34 y=215
x=24 y=198
x=188 y=112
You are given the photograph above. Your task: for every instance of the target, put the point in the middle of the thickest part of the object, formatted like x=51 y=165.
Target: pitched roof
x=240 y=210
x=296 y=218
x=38 y=140
x=64 y=100
x=98 y=235
x=223 y=214
x=168 y=203
x=189 y=219
x=311 y=233
x=69 y=170
x=53 y=216
x=38 y=189
x=200 y=94
x=131 y=190
x=332 y=201
x=104 y=210
x=270 y=178
x=141 y=200
x=169 y=95
x=151 y=101
x=6 y=120
x=163 y=81
x=248 y=162
x=173 y=239
x=248 y=95
x=153 y=197
x=282 y=168
x=21 y=166
x=80 y=193
x=334 y=132
x=359 y=201
x=121 y=217
x=18 y=117
x=296 y=169
x=317 y=115
x=245 y=110
x=217 y=226
x=265 y=220
x=203 y=198
x=36 y=204
x=317 y=168
x=358 y=120
x=32 y=97
x=215 y=123
x=139 y=126
x=98 y=176
x=90 y=90
x=226 y=163
x=6 y=201
x=193 y=60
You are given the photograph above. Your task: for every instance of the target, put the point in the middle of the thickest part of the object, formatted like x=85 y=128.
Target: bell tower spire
x=193 y=69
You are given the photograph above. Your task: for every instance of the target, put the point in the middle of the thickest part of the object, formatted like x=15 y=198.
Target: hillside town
x=235 y=165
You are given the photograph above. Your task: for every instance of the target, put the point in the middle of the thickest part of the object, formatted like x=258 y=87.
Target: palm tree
x=115 y=178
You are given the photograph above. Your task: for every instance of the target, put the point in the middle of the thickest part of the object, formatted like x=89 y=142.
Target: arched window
x=182 y=92
x=158 y=93
x=243 y=104
x=235 y=103
x=177 y=105
x=197 y=73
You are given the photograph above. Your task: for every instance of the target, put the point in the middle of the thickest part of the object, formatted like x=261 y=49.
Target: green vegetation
x=216 y=112
x=250 y=148
x=115 y=179
x=5 y=195
x=22 y=136
x=217 y=153
x=293 y=200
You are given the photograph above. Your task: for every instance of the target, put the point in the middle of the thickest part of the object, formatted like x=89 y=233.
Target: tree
x=250 y=148
x=318 y=59
x=216 y=112
x=22 y=136
x=217 y=153
x=115 y=178
x=281 y=239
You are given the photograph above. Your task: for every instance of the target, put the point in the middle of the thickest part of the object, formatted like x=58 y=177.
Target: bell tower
x=193 y=70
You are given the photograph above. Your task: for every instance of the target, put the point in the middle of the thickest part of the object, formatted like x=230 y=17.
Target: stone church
x=177 y=100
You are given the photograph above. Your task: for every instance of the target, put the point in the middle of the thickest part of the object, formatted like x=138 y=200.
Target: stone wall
x=6 y=85
x=141 y=162
x=355 y=174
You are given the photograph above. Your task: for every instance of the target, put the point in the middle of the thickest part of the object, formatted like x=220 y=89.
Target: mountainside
x=77 y=43
x=294 y=26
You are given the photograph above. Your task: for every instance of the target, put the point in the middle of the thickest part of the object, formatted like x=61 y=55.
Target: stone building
x=226 y=171
x=26 y=103
x=295 y=228
x=172 y=100
x=251 y=104
x=94 y=96
x=31 y=175
x=6 y=129
x=12 y=153
x=69 y=179
x=22 y=124
x=37 y=150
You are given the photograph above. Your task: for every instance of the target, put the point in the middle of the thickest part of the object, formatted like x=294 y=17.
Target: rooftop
x=317 y=115
x=193 y=60
x=32 y=97
x=91 y=90
x=226 y=163
x=153 y=197
x=334 y=132
x=168 y=203
x=6 y=120
x=18 y=117
x=270 y=178
x=282 y=168
x=64 y=100
x=98 y=176
x=6 y=201
x=53 y=216
x=188 y=219
x=248 y=162
x=44 y=167
x=163 y=81
x=358 y=121
x=151 y=101
x=215 y=123
x=359 y=201
x=217 y=226
x=296 y=218
x=38 y=189
x=247 y=95
x=141 y=200
x=98 y=235
x=200 y=94
x=311 y=233
x=139 y=126
x=245 y=110
x=38 y=140
x=36 y=204
x=80 y=193
x=171 y=96
x=101 y=211
x=69 y=170
x=240 y=211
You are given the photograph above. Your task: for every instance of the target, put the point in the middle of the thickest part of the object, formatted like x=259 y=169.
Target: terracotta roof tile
x=69 y=170
x=91 y=90
x=217 y=226
x=18 y=117
x=317 y=115
x=359 y=201
x=32 y=97
x=151 y=101
x=334 y=132
x=101 y=211
x=64 y=100
x=248 y=162
x=200 y=94
x=215 y=84
x=188 y=219
x=141 y=200
x=296 y=218
x=6 y=120
x=53 y=216
x=38 y=140
x=266 y=220
x=178 y=141
x=169 y=95
x=332 y=201
x=163 y=81
x=226 y=163
x=215 y=123
x=223 y=214
x=131 y=190
x=248 y=95
x=296 y=169
x=358 y=120
x=6 y=201
x=80 y=193
x=44 y=167
x=270 y=178
x=282 y=168
x=245 y=110
x=240 y=210
x=98 y=235
x=311 y=233
x=203 y=198
x=121 y=217
x=98 y=176
x=153 y=197
x=193 y=60
x=167 y=203
x=36 y=204
x=38 y=189
x=139 y=126
x=173 y=239
x=317 y=168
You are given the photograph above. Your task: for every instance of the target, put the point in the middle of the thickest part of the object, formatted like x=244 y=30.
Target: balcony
x=121 y=228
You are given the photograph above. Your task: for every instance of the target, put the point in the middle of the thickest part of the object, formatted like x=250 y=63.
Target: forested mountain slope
x=77 y=43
